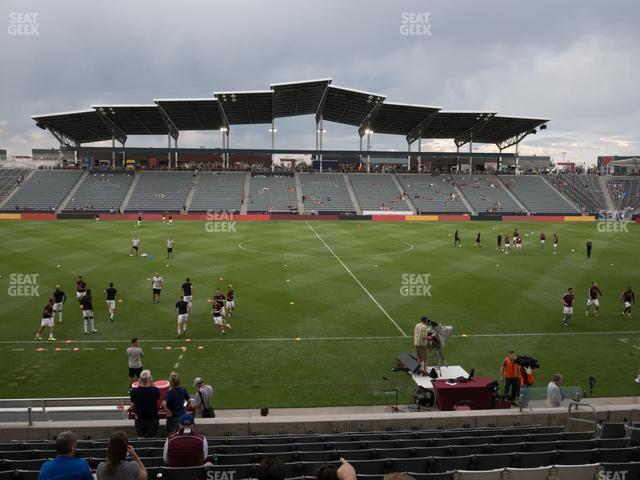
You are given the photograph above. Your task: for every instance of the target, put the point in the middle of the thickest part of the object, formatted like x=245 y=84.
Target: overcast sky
x=574 y=62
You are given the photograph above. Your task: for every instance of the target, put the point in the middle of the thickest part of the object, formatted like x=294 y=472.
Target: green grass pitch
x=348 y=312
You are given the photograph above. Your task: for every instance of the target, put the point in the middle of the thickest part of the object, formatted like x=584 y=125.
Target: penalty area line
x=356 y=279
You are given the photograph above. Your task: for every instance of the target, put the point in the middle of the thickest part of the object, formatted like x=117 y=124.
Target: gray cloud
x=574 y=62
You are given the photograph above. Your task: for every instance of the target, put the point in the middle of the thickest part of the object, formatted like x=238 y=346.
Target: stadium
x=232 y=274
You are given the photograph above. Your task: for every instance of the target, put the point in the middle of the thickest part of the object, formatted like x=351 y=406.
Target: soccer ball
x=572 y=250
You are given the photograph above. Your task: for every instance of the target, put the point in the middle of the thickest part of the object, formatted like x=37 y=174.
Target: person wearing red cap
x=186 y=447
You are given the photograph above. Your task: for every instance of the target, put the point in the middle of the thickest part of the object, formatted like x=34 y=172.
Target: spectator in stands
x=117 y=467
x=202 y=399
x=174 y=402
x=186 y=447
x=510 y=373
x=66 y=465
x=554 y=393
x=271 y=468
x=144 y=400
x=332 y=472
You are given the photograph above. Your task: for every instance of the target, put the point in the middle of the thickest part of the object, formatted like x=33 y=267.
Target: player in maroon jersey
x=543 y=238
x=594 y=293
x=507 y=244
x=47 y=321
x=518 y=241
x=555 y=243
x=567 y=306
x=628 y=298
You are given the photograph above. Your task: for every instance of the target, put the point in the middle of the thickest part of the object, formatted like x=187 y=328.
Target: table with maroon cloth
x=476 y=391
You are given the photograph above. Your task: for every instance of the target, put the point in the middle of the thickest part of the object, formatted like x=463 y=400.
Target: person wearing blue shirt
x=65 y=466
x=174 y=402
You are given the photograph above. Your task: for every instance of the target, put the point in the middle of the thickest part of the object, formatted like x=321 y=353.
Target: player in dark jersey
x=589 y=246
x=499 y=246
x=515 y=235
x=81 y=287
x=543 y=239
x=594 y=293
x=218 y=320
x=507 y=244
x=47 y=321
x=518 y=241
x=86 y=303
x=183 y=308
x=477 y=244
x=139 y=221
x=187 y=291
x=555 y=243
x=456 y=239
x=231 y=301
x=567 y=306
x=219 y=296
x=110 y=295
x=628 y=298
x=59 y=297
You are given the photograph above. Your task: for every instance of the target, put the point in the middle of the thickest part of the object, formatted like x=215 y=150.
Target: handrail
x=594 y=422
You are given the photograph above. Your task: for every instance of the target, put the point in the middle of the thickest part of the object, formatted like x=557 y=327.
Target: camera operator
x=438 y=335
x=510 y=374
x=421 y=338
x=527 y=365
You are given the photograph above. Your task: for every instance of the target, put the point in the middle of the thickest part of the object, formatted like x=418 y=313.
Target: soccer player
x=47 y=321
x=110 y=295
x=134 y=355
x=477 y=240
x=217 y=315
x=170 y=244
x=170 y=220
x=135 y=246
x=555 y=243
x=183 y=308
x=86 y=303
x=456 y=239
x=219 y=297
x=628 y=298
x=59 y=297
x=515 y=235
x=507 y=244
x=164 y=218
x=518 y=241
x=594 y=292
x=81 y=287
x=543 y=237
x=499 y=246
x=231 y=302
x=567 y=306
x=187 y=291
x=156 y=286
x=589 y=247
x=139 y=223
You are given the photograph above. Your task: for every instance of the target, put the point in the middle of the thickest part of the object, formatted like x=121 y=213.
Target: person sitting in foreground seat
x=271 y=469
x=186 y=447
x=332 y=472
x=117 y=467
x=65 y=465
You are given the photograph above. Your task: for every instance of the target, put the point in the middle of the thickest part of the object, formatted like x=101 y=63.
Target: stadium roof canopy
x=369 y=112
x=82 y=126
x=399 y=118
x=348 y=106
x=193 y=113
x=298 y=98
x=243 y=108
x=504 y=131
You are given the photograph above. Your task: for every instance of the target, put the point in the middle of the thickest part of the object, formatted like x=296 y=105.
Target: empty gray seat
x=325 y=192
x=377 y=192
x=536 y=194
x=44 y=190
x=100 y=192
x=432 y=194
x=485 y=193
x=160 y=191
x=218 y=191
x=273 y=193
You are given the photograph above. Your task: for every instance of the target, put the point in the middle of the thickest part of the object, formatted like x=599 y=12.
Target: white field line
x=356 y=279
x=313 y=339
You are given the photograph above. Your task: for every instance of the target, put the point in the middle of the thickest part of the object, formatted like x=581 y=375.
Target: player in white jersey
x=156 y=285
x=170 y=244
x=135 y=246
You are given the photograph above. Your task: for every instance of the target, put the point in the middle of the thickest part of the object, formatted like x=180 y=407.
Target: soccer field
x=322 y=308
